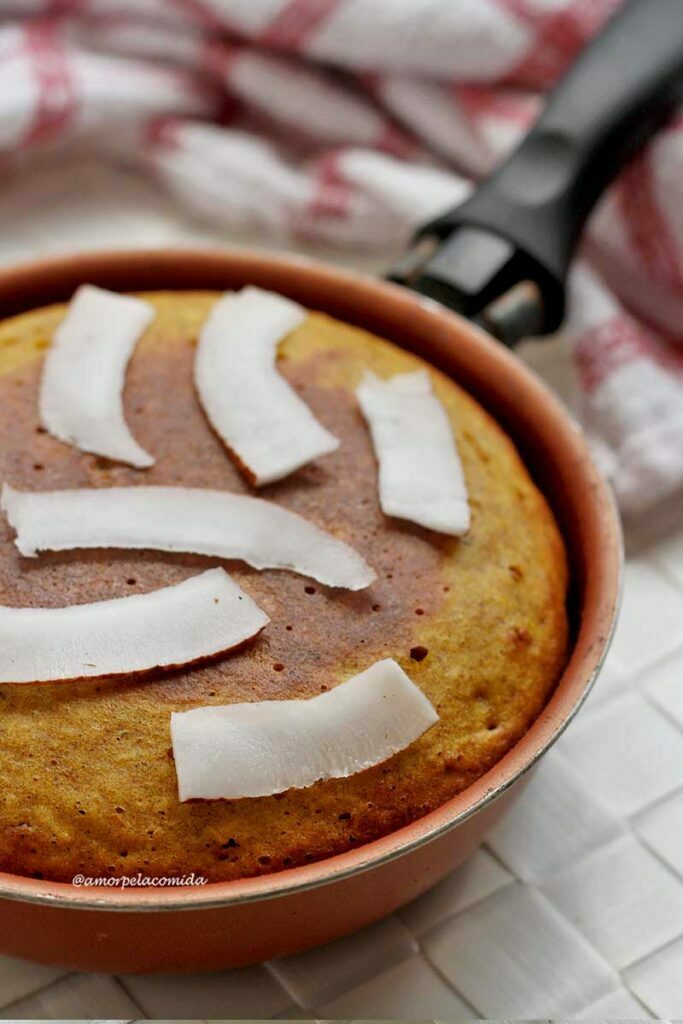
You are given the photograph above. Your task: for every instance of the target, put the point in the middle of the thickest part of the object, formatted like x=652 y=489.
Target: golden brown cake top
x=478 y=623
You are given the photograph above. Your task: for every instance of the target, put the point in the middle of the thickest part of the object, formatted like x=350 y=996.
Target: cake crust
x=479 y=623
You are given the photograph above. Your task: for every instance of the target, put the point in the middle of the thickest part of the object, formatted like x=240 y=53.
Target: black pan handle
x=521 y=225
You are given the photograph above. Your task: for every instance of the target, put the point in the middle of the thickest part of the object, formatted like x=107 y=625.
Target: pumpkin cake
x=478 y=622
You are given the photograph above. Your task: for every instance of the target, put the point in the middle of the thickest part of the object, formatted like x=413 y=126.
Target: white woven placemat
x=573 y=909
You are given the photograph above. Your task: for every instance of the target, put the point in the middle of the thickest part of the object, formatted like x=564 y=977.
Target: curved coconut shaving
x=420 y=475
x=84 y=374
x=248 y=750
x=260 y=418
x=203 y=616
x=203 y=522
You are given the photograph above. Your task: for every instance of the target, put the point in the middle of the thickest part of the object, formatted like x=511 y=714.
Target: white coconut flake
x=201 y=617
x=248 y=750
x=84 y=374
x=203 y=522
x=260 y=418
x=420 y=474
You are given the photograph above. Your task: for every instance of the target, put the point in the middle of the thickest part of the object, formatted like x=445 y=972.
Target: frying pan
x=500 y=260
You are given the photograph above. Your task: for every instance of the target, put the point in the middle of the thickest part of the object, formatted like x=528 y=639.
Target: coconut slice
x=202 y=522
x=84 y=373
x=266 y=426
x=245 y=750
x=420 y=475
x=203 y=616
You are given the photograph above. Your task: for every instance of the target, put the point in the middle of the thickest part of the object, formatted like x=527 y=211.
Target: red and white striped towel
x=351 y=121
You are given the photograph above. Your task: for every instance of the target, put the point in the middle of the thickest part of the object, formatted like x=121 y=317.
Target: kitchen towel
x=349 y=122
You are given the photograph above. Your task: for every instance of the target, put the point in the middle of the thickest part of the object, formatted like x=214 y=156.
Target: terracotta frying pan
x=513 y=238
